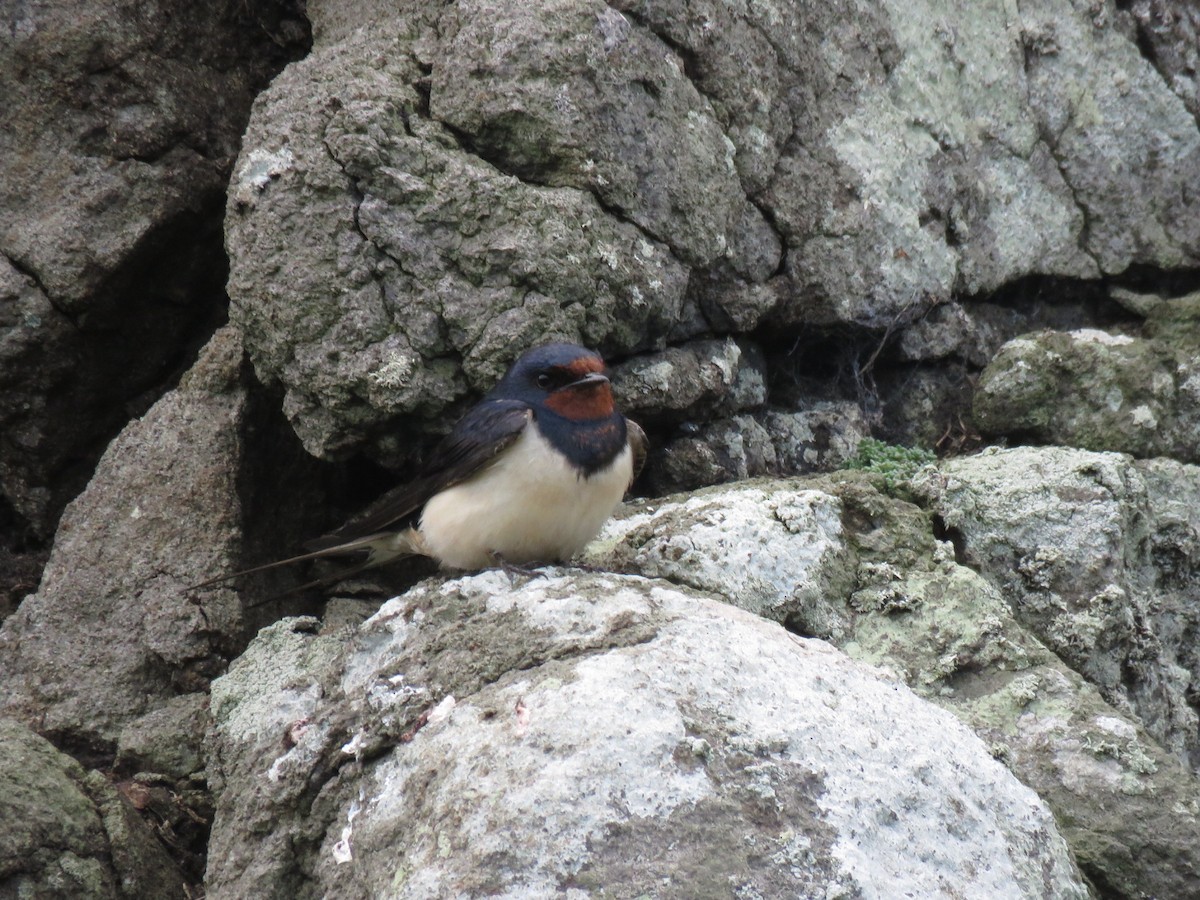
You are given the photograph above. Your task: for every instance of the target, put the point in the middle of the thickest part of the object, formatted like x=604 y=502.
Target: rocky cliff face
x=791 y=230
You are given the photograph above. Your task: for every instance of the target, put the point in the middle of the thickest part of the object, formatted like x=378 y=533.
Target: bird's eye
x=543 y=380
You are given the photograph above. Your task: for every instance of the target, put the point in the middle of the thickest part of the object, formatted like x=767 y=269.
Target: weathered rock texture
x=112 y=632
x=1088 y=388
x=1097 y=555
x=697 y=189
x=594 y=731
x=434 y=189
x=69 y=833
x=839 y=559
x=118 y=129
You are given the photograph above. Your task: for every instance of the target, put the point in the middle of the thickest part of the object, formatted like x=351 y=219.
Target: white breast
x=529 y=506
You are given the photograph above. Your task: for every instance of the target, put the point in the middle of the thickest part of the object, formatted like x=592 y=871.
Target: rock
x=168 y=740
x=580 y=732
x=634 y=174
x=948 y=330
x=407 y=270
x=1171 y=30
x=1102 y=391
x=699 y=380
x=111 y=633
x=1078 y=543
x=65 y=832
x=772 y=548
x=836 y=558
x=721 y=451
x=129 y=114
x=580 y=95
x=820 y=438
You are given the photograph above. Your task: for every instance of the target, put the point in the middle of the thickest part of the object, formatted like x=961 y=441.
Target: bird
x=529 y=475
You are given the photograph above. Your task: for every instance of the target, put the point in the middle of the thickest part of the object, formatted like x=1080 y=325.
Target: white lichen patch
x=1096 y=336
x=395 y=373
x=1143 y=417
x=259 y=166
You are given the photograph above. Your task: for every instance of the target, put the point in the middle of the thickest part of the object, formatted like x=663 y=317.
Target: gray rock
x=968 y=159
x=1138 y=207
x=417 y=203
x=406 y=270
x=699 y=380
x=819 y=438
x=117 y=133
x=65 y=832
x=836 y=558
x=168 y=740
x=1102 y=391
x=776 y=549
x=579 y=95
x=1077 y=542
x=111 y=633
x=1171 y=29
x=948 y=330
x=720 y=451
x=583 y=732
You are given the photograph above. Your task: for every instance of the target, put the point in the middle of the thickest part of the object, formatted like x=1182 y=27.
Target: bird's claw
x=514 y=571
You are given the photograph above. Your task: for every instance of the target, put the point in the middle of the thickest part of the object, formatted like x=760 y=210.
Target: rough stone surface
x=168 y=740
x=435 y=195
x=1094 y=557
x=836 y=558
x=111 y=632
x=699 y=380
x=820 y=438
x=1100 y=390
x=359 y=198
x=65 y=832
x=591 y=731
x=118 y=129
x=1170 y=32
x=790 y=542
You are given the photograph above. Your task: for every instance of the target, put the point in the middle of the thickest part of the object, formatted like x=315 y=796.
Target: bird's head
x=565 y=378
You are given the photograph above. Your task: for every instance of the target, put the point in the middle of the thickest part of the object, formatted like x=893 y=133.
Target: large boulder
x=839 y=558
x=112 y=633
x=577 y=733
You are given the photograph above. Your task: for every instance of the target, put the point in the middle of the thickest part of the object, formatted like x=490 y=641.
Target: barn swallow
x=529 y=475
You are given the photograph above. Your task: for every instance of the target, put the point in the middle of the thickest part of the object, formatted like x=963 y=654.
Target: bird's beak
x=589 y=380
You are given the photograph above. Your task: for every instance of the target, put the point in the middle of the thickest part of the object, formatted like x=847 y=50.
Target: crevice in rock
x=22 y=558
x=768 y=214
x=948 y=534
x=1151 y=279
x=289 y=497
x=1138 y=15
x=141 y=330
x=424 y=88
x=1054 y=302
x=689 y=63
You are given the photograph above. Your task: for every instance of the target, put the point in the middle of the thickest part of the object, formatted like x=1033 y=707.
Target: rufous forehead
x=585 y=365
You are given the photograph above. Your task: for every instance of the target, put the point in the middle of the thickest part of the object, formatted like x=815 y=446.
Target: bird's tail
x=379 y=548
